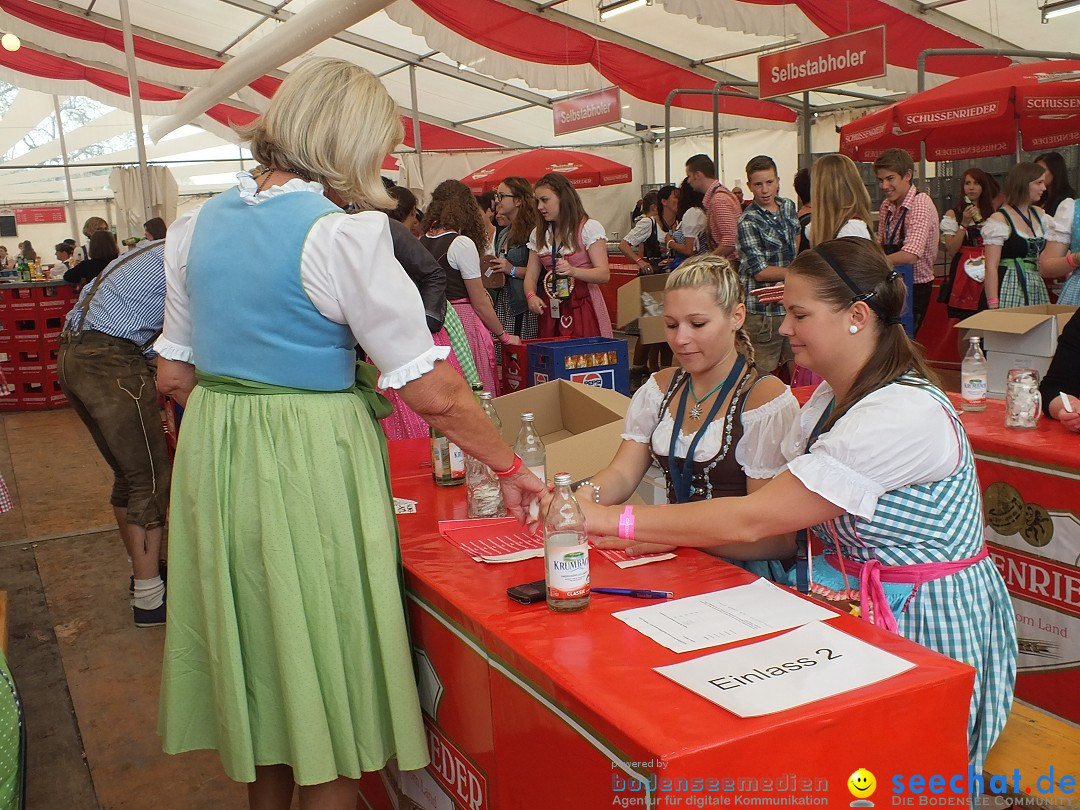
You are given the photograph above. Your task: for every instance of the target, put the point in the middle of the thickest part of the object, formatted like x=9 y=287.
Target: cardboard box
x=652 y=491
x=1018 y=337
x=631 y=309
x=581 y=426
x=595 y=361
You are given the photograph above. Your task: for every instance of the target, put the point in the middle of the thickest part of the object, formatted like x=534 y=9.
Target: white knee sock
x=149 y=593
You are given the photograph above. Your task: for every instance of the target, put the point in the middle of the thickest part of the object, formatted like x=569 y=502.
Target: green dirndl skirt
x=286 y=638
x=1020 y=284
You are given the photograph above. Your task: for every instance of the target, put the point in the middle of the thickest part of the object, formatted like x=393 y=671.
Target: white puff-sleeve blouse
x=758 y=452
x=1061 y=226
x=897 y=436
x=996 y=232
x=350 y=275
x=592 y=232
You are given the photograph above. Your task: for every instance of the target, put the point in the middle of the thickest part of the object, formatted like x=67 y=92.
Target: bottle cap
x=563 y=479
x=527 y=417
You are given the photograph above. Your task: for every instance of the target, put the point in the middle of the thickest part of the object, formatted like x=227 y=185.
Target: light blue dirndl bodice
x=1070 y=290
x=966 y=615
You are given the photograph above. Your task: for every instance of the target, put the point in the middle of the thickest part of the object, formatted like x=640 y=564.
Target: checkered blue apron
x=967 y=615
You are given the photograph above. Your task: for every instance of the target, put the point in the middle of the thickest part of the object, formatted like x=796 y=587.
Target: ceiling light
x=620 y=6
x=10 y=42
x=1051 y=10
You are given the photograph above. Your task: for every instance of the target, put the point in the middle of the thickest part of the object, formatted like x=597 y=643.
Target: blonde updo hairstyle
x=716 y=275
x=333 y=122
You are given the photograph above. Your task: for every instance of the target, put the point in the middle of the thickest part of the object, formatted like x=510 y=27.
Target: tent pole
x=67 y=171
x=804 y=131
x=716 y=126
x=416 y=121
x=136 y=108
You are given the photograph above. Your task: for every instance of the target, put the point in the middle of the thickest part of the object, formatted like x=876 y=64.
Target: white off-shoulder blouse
x=895 y=437
x=759 y=451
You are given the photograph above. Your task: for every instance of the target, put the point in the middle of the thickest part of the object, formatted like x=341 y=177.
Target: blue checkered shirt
x=131 y=302
x=765 y=239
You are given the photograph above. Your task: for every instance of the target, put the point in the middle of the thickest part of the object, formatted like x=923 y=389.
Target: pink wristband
x=1070 y=259
x=991 y=302
x=530 y=295
x=626 y=524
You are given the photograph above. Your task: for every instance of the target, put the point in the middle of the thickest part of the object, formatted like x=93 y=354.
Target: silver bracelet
x=595 y=488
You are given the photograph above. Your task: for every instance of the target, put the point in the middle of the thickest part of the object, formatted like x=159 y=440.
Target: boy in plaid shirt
x=767 y=238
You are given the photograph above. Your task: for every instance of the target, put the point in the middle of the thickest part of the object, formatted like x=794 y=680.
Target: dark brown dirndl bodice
x=721 y=476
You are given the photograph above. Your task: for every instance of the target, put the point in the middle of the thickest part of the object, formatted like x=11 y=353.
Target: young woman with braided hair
x=715 y=424
x=880 y=468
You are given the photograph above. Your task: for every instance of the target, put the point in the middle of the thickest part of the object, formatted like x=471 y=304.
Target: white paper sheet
x=811 y=663
x=721 y=617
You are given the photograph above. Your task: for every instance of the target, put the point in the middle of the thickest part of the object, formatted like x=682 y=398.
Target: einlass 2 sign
x=837 y=60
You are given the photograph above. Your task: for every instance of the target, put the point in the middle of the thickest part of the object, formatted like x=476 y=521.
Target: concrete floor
x=88 y=677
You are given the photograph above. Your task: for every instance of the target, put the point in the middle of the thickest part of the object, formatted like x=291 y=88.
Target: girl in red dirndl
x=579 y=246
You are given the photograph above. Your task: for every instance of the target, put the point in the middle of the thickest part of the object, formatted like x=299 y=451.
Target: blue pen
x=636 y=593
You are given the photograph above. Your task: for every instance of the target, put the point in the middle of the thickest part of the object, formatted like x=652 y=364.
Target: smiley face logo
x=862 y=784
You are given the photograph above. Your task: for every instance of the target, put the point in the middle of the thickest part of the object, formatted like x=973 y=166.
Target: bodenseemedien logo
x=862 y=785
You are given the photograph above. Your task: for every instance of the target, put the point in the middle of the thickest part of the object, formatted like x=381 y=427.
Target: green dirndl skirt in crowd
x=1020 y=284
x=286 y=639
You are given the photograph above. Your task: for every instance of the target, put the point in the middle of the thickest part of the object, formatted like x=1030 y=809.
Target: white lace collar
x=249 y=188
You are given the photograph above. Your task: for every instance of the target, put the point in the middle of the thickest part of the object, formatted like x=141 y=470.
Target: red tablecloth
x=1030 y=480
x=528 y=708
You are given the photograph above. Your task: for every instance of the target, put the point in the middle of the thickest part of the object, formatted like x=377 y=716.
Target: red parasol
x=580 y=168
x=977 y=116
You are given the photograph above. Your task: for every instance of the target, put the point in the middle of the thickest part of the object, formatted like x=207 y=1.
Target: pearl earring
x=853 y=329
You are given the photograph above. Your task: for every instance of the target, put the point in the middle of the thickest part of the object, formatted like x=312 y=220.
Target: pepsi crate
x=596 y=361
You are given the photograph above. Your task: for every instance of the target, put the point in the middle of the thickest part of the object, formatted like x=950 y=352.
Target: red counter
x=527 y=708
x=1030 y=481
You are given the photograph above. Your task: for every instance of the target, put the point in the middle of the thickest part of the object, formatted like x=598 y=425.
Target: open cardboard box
x=630 y=308
x=581 y=425
x=1018 y=337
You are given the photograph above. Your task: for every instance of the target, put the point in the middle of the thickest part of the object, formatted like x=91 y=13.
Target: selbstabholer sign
x=587 y=111
x=837 y=60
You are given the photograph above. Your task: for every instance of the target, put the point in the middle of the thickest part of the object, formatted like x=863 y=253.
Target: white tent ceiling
x=459 y=85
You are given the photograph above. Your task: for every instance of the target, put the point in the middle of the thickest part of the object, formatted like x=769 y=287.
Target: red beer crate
x=514 y=374
x=29 y=359
x=32 y=391
x=17 y=300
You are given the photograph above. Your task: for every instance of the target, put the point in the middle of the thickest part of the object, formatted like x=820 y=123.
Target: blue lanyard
x=1029 y=223
x=890 y=235
x=682 y=471
x=802 y=537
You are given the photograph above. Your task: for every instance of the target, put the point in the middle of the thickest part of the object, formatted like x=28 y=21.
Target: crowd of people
x=283 y=539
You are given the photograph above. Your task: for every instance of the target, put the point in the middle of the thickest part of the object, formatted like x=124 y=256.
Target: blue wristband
x=513 y=272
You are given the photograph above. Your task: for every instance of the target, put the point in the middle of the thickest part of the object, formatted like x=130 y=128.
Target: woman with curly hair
x=456 y=237
x=565 y=293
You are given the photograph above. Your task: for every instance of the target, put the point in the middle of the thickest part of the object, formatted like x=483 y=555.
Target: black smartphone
x=528 y=594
